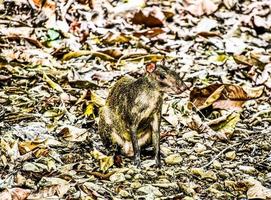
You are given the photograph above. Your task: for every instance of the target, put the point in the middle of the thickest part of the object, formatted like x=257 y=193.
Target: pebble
x=174 y=159
x=135 y=185
x=199 y=148
x=138 y=177
x=231 y=155
x=247 y=169
x=124 y=193
x=117 y=177
x=149 y=189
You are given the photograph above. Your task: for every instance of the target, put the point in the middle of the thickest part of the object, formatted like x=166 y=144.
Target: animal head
x=167 y=80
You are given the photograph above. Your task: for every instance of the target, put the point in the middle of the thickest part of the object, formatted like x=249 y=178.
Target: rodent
x=131 y=116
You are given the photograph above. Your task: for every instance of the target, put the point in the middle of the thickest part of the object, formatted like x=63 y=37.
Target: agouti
x=131 y=116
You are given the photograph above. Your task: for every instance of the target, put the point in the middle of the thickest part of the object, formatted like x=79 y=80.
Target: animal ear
x=150 y=67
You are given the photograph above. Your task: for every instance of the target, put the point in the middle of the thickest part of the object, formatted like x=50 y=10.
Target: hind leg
x=105 y=126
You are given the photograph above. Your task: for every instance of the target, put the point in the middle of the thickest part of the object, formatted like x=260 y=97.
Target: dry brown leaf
x=209 y=34
x=150 y=18
x=262 y=58
x=195 y=123
x=77 y=54
x=28 y=39
x=19 y=193
x=228 y=104
x=73 y=133
x=15 y=194
x=248 y=61
x=203 y=173
x=48 y=7
x=116 y=38
x=114 y=53
x=27 y=146
x=50 y=187
x=223 y=96
x=149 y=33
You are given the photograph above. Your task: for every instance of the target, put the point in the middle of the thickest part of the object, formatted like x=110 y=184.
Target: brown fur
x=133 y=107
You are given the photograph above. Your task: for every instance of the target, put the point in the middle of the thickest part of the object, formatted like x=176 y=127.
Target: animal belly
x=127 y=146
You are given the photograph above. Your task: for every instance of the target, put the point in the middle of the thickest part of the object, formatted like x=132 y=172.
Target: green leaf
x=53 y=34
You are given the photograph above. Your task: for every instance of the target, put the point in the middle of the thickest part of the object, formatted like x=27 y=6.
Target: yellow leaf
x=228 y=126
x=76 y=54
x=53 y=85
x=28 y=146
x=105 y=161
x=51 y=164
x=90 y=110
x=97 y=100
x=213 y=97
x=4 y=146
x=41 y=152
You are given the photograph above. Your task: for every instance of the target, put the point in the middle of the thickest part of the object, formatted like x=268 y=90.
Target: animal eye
x=162 y=76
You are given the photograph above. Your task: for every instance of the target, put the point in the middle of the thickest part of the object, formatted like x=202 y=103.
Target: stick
x=229 y=147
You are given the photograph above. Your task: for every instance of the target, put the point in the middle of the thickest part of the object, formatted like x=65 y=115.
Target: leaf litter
x=58 y=61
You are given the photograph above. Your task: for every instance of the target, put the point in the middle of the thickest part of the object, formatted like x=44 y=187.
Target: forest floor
x=58 y=60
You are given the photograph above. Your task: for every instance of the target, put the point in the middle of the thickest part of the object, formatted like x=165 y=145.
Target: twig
x=221 y=152
x=66 y=8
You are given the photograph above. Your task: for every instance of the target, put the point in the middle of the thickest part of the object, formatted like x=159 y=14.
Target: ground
x=58 y=60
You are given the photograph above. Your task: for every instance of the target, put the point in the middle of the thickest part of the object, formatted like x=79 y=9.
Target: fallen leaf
x=54 y=85
x=149 y=17
x=53 y=185
x=73 y=133
x=27 y=146
x=15 y=194
x=149 y=33
x=90 y=110
x=117 y=177
x=34 y=167
x=244 y=60
x=223 y=96
x=195 y=123
x=201 y=7
x=227 y=127
x=77 y=54
x=257 y=190
x=105 y=161
x=206 y=25
x=230 y=3
x=53 y=34
x=125 y=6
x=116 y=38
x=235 y=45
x=5 y=195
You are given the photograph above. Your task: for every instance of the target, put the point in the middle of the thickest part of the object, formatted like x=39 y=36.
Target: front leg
x=156 y=136
x=136 y=147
